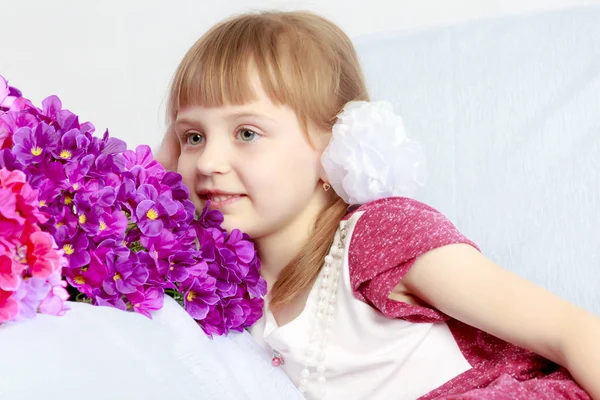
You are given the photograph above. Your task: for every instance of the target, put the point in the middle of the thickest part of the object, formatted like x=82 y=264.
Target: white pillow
x=104 y=353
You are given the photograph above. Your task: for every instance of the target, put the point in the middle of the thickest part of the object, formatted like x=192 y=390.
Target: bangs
x=220 y=67
x=214 y=75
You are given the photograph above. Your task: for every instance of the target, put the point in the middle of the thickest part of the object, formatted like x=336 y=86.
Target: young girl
x=380 y=298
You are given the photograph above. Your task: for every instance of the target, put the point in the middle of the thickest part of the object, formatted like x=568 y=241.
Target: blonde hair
x=305 y=62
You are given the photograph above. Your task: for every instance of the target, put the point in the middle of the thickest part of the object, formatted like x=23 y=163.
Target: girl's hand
x=168 y=152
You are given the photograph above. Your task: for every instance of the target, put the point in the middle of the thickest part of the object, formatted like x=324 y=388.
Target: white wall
x=111 y=61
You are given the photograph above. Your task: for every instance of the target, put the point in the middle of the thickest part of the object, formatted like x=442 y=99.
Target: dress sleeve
x=387 y=239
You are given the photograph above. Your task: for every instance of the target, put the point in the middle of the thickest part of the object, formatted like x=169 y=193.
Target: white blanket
x=95 y=353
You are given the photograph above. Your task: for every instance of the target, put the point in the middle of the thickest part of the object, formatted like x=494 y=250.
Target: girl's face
x=254 y=163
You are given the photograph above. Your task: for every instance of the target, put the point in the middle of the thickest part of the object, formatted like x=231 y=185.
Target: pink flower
x=5 y=99
x=5 y=135
x=11 y=178
x=30 y=263
x=26 y=198
x=11 y=223
x=9 y=211
x=8 y=306
x=10 y=273
x=29 y=295
x=11 y=98
x=19 y=213
x=54 y=303
x=42 y=256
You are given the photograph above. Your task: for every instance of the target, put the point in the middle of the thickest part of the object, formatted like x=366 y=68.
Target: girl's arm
x=462 y=283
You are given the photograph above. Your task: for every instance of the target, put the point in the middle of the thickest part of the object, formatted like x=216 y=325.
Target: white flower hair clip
x=370 y=157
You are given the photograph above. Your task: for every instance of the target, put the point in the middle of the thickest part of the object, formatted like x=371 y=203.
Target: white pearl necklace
x=325 y=310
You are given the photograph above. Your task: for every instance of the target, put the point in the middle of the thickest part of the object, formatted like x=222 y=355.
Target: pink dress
x=398 y=230
x=385 y=349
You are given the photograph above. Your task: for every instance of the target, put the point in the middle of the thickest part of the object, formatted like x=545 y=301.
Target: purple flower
x=113 y=224
x=199 y=296
x=127 y=227
x=107 y=145
x=183 y=264
x=148 y=215
x=22 y=114
x=162 y=244
x=91 y=277
x=177 y=272
x=139 y=175
x=111 y=145
x=208 y=238
x=210 y=218
x=175 y=182
x=256 y=311
x=152 y=213
x=214 y=322
x=114 y=302
x=9 y=161
x=76 y=172
x=67 y=120
x=98 y=194
x=236 y=311
x=12 y=121
x=50 y=185
x=157 y=277
x=51 y=106
x=127 y=276
x=151 y=299
x=256 y=285
x=72 y=145
x=142 y=157
x=76 y=248
x=243 y=249
x=31 y=146
x=126 y=194
x=88 y=217
x=109 y=163
x=87 y=278
x=228 y=269
x=227 y=289
x=66 y=225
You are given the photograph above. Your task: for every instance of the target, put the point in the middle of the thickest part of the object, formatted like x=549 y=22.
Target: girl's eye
x=247 y=135
x=194 y=138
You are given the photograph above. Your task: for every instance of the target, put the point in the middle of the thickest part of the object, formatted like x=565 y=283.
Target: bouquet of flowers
x=126 y=226
x=30 y=262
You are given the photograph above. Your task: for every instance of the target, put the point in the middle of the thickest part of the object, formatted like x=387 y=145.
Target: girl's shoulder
x=401 y=222
x=388 y=235
x=394 y=206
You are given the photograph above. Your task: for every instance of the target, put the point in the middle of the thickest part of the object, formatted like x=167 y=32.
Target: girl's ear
x=320 y=141
x=168 y=152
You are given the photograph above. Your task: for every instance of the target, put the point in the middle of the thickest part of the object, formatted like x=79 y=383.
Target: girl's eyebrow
x=189 y=122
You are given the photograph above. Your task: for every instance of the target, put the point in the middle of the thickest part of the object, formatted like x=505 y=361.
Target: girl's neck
x=277 y=250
